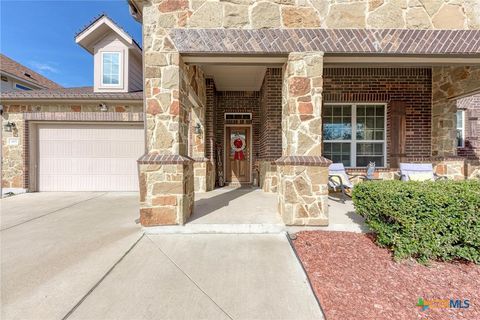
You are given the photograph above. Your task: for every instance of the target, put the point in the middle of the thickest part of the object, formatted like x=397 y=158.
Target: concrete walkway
x=81 y=256
x=204 y=277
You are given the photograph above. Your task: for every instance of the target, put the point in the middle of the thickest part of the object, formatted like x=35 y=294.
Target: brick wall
x=411 y=85
x=237 y=101
x=270 y=146
x=471 y=105
x=210 y=117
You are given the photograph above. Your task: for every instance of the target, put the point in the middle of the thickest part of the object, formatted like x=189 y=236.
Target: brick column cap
x=155 y=158
x=315 y=161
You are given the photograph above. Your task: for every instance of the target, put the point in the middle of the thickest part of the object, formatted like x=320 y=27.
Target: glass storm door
x=238 y=146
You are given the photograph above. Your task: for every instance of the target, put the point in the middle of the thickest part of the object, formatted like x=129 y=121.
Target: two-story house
x=78 y=139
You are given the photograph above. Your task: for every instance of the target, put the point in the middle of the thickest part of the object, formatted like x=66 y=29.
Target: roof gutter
x=76 y=100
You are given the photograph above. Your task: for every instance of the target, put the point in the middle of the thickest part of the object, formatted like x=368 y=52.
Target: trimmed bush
x=423 y=220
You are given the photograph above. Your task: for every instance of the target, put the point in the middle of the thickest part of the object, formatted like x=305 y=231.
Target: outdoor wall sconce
x=103 y=107
x=198 y=128
x=9 y=126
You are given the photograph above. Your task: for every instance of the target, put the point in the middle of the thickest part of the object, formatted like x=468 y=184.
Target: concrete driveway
x=81 y=256
x=56 y=246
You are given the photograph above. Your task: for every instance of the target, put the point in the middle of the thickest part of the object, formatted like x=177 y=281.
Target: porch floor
x=235 y=205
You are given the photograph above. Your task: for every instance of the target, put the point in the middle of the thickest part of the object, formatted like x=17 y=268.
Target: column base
x=303 y=190
x=204 y=175
x=166 y=189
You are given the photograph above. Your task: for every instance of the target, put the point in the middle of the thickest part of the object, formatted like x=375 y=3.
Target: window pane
x=111 y=68
x=115 y=79
x=337 y=123
x=364 y=161
x=369 y=152
x=460 y=138
x=107 y=79
x=338 y=152
x=459 y=119
x=370 y=122
x=370 y=111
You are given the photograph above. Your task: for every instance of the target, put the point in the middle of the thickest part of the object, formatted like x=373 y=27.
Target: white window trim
x=353 y=141
x=463 y=128
x=120 y=70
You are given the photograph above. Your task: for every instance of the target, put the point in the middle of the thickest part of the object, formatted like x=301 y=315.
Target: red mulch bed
x=355 y=279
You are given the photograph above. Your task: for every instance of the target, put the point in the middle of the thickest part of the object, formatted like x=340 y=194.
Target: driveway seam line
x=190 y=278
x=69 y=313
x=46 y=214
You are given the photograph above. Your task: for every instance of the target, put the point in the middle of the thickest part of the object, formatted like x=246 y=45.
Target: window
x=354 y=134
x=21 y=87
x=111 y=68
x=238 y=116
x=460 y=128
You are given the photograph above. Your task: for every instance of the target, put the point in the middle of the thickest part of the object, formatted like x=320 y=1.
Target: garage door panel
x=87 y=166
x=89 y=157
x=87 y=149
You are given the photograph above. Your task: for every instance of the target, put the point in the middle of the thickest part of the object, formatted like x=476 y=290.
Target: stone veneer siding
x=16 y=159
x=411 y=85
x=249 y=14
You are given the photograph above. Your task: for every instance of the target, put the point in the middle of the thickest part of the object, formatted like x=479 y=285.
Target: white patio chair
x=418 y=172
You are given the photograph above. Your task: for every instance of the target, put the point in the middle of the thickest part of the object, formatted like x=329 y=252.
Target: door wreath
x=238 y=145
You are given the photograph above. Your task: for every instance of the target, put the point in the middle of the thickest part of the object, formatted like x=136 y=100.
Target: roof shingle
x=18 y=70
x=79 y=93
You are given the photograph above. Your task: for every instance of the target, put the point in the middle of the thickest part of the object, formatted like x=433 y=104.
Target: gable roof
x=78 y=93
x=97 y=28
x=17 y=70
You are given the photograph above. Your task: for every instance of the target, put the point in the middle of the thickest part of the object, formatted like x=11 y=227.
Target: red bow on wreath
x=238 y=146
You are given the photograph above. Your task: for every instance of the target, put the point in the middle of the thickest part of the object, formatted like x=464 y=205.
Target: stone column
x=165 y=170
x=302 y=171
x=203 y=167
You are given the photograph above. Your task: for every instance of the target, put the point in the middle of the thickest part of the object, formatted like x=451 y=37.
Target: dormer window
x=111 y=68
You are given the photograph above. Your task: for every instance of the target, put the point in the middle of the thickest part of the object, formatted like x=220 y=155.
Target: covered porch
x=277 y=121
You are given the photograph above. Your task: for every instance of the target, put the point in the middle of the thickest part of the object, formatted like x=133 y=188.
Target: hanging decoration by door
x=238 y=145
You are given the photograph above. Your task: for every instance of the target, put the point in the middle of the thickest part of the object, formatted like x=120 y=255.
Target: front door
x=237 y=148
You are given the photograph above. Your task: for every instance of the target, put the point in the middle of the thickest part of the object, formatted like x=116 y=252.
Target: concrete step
x=199 y=228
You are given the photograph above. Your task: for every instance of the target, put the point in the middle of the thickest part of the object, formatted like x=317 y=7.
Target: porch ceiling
x=235 y=77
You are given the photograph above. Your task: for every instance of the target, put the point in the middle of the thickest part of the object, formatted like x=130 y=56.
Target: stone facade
x=268 y=177
x=16 y=157
x=302 y=171
x=249 y=14
x=166 y=190
x=303 y=192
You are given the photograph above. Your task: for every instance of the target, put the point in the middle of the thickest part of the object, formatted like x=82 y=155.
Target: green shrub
x=424 y=220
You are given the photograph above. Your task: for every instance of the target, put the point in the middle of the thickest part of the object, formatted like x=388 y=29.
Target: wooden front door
x=237 y=148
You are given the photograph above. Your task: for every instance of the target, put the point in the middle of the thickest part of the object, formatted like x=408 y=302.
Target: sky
x=40 y=35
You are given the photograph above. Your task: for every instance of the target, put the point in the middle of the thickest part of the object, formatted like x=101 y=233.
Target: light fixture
x=103 y=107
x=9 y=126
x=198 y=128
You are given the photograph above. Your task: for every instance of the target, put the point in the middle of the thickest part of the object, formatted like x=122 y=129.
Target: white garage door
x=89 y=157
